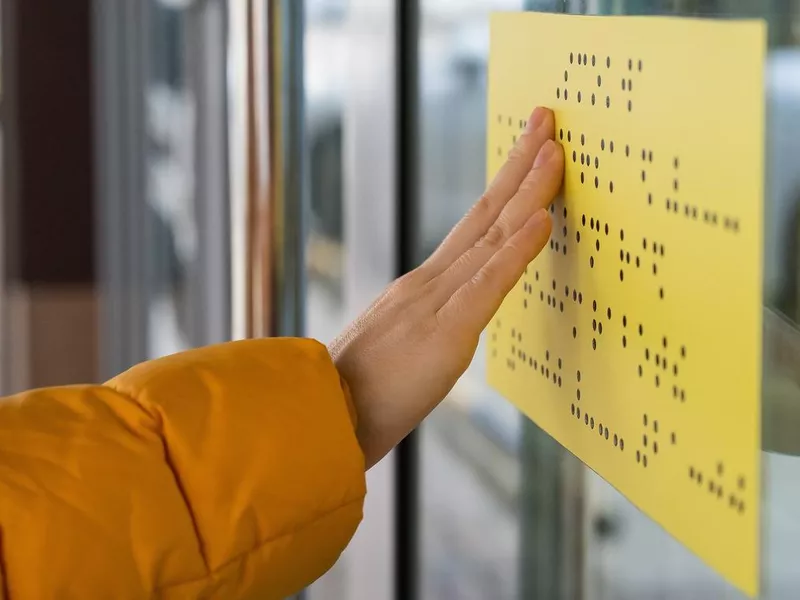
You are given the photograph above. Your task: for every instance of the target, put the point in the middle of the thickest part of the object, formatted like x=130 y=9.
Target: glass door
x=507 y=513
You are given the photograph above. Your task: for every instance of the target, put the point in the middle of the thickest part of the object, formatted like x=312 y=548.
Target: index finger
x=539 y=129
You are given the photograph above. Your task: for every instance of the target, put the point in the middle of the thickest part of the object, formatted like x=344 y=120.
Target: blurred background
x=182 y=172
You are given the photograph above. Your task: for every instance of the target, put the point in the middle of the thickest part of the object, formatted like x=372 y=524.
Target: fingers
x=540 y=128
x=536 y=192
x=470 y=309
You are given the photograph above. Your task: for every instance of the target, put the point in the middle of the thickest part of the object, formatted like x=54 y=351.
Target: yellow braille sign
x=635 y=338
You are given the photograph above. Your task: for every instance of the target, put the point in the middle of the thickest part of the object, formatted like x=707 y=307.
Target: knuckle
x=482 y=207
x=517 y=151
x=493 y=238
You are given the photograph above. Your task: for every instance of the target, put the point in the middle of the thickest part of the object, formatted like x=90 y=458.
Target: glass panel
x=505 y=512
x=185 y=164
x=349 y=61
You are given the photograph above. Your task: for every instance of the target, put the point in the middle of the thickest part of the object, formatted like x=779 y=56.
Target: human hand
x=406 y=352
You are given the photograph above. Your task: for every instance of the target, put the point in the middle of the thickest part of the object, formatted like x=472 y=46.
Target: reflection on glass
x=170 y=160
x=506 y=513
x=325 y=75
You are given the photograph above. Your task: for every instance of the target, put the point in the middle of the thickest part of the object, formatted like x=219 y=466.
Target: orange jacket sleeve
x=226 y=472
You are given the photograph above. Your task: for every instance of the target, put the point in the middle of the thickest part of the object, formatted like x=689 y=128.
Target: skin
x=406 y=352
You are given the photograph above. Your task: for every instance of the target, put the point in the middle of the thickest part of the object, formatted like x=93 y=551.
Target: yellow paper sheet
x=635 y=338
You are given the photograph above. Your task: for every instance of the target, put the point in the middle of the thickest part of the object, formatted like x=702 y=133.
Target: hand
x=406 y=352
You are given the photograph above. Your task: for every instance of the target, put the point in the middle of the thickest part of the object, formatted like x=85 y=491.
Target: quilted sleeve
x=227 y=472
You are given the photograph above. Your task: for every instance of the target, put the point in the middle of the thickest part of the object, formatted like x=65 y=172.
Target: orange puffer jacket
x=226 y=472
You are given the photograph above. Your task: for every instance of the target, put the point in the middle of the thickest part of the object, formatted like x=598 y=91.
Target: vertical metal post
x=276 y=169
x=407 y=198
x=119 y=31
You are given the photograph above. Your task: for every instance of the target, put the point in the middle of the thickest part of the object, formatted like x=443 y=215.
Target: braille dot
x=658 y=381
x=608 y=62
x=641 y=371
x=582 y=177
x=650 y=156
x=661 y=293
x=740 y=483
x=624 y=342
x=640 y=65
x=675 y=185
x=573 y=410
x=644 y=176
x=655 y=269
x=594 y=60
x=579 y=97
x=596 y=182
x=591 y=423
x=578 y=412
x=630 y=109
x=630 y=64
x=594 y=344
x=623 y=83
x=580 y=298
x=597 y=245
x=616 y=440
x=591 y=261
x=594 y=99
x=566 y=75
x=569 y=135
x=586 y=419
x=650 y=198
x=574 y=295
x=596 y=162
x=580 y=58
x=606 y=228
x=583 y=220
x=574 y=332
x=611 y=187
x=624 y=321
x=608 y=101
x=583 y=140
x=637 y=261
x=644 y=440
x=622 y=235
x=683 y=351
x=638 y=456
x=622 y=443
x=594 y=324
x=628 y=257
x=621 y=275
x=627 y=150
x=585 y=60
x=611 y=146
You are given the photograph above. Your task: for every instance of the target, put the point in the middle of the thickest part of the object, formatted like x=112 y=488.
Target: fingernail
x=545 y=153
x=537 y=118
